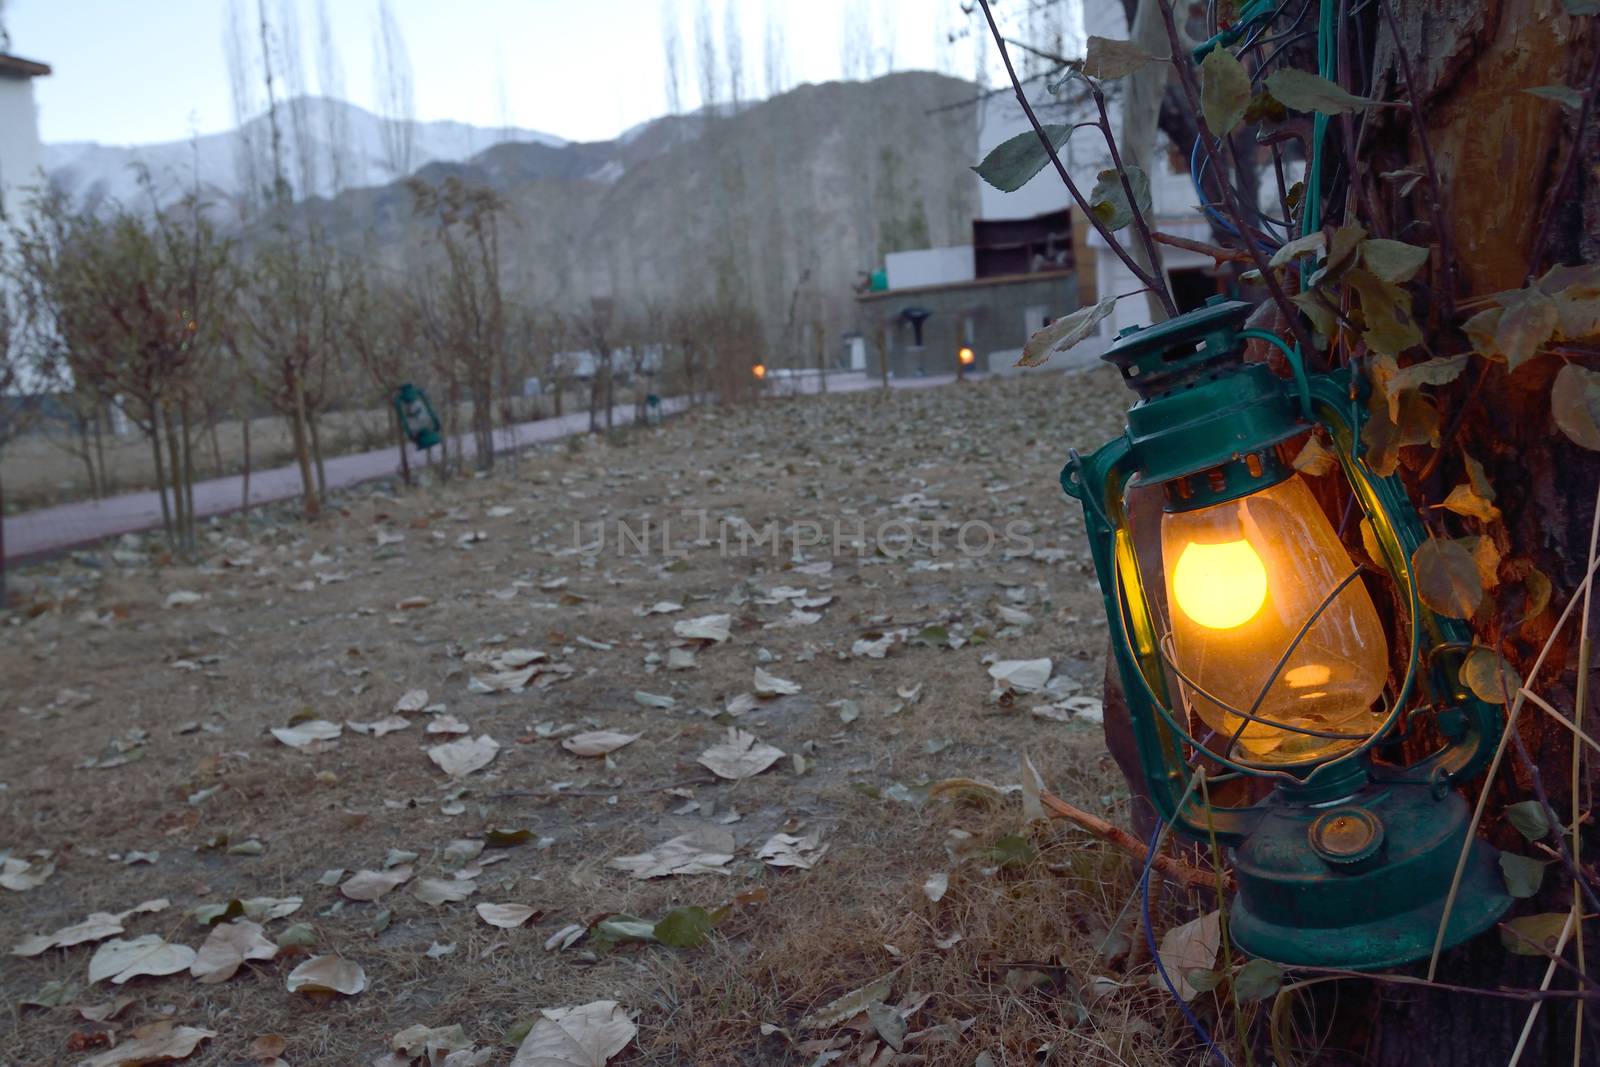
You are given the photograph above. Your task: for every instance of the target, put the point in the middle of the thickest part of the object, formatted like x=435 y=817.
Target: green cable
x=1296 y=364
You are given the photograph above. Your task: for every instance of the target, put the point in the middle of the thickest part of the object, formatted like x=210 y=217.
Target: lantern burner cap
x=1163 y=358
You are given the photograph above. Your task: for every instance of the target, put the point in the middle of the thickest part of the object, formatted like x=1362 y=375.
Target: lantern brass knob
x=1346 y=836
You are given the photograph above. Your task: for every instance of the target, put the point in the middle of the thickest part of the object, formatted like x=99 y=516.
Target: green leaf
x=1109 y=59
x=1109 y=201
x=1012 y=850
x=300 y=934
x=1564 y=95
x=1064 y=332
x=623 y=928
x=1447 y=578
x=1014 y=162
x=1393 y=261
x=1528 y=323
x=1523 y=874
x=1480 y=330
x=1203 y=980
x=1300 y=246
x=1489 y=676
x=1257 y=980
x=1301 y=90
x=505 y=838
x=1575 y=403
x=1224 y=90
x=1530 y=819
x=1342 y=253
x=1543 y=930
x=685 y=927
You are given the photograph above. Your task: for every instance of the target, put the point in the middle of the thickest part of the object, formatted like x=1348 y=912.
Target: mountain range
x=780 y=206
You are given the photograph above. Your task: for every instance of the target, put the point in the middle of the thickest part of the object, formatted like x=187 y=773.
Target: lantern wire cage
x=1226 y=758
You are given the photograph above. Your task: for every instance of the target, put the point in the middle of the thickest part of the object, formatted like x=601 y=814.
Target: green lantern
x=417 y=416
x=1263 y=656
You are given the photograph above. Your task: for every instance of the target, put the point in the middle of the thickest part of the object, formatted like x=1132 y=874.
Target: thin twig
x=1524 y=995
x=1147 y=277
x=1216 y=252
x=1544 y=984
x=1116 y=835
x=1139 y=221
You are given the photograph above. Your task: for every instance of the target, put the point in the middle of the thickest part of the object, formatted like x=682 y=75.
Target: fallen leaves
x=160 y=1042
x=585 y=1036
x=713 y=628
x=372 y=885
x=770 y=685
x=461 y=758
x=327 y=974
x=705 y=851
x=97 y=927
x=306 y=734
x=786 y=850
x=20 y=875
x=597 y=742
x=1190 y=947
x=506 y=916
x=151 y=954
x=1020 y=675
x=227 y=948
x=437 y=891
x=740 y=755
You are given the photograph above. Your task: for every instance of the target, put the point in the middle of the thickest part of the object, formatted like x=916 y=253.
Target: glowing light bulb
x=1220 y=586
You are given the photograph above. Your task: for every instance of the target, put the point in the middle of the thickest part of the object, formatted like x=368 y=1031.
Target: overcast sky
x=136 y=71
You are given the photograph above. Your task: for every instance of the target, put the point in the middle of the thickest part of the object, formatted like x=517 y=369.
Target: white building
x=21 y=158
x=1097 y=270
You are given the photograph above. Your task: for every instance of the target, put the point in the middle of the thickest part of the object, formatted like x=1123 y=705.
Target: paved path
x=48 y=531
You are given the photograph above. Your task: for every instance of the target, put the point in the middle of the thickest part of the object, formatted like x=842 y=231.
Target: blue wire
x=1155 y=953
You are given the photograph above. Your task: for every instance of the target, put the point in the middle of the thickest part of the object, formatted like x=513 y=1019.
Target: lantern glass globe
x=1242 y=578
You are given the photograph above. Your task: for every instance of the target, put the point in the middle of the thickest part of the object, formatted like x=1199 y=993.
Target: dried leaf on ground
x=302 y=735
x=438 y=891
x=459 y=758
x=151 y=954
x=1190 y=947
x=20 y=875
x=327 y=974
x=786 y=850
x=430 y=1041
x=770 y=685
x=1021 y=675
x=586 y=1036
x=716 y=628
x=936 y=886
x=850 y=1004
x=371 y=885
x=704 y=851
x=740 y=755
x=156 y=1043
x=506 y=916
x=412 y=700
x=226 y=949
x=597 y=742
x=97 y=927
x=379 y=727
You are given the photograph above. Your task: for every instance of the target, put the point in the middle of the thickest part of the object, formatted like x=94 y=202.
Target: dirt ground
x=138 y=695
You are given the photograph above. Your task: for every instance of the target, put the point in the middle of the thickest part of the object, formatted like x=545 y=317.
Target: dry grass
x=1022 y=967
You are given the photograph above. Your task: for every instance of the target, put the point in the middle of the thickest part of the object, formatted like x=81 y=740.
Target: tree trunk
x=1498 y=154
x=154 y=434
x=314 y=422
x=302 y=448
x=244 y=480
x=400 y=437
